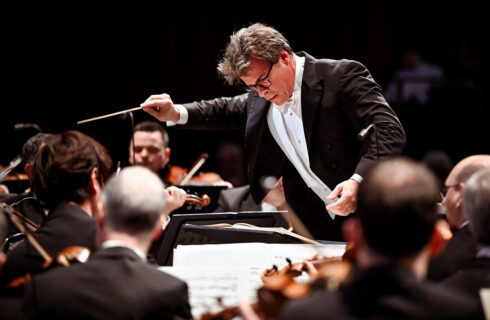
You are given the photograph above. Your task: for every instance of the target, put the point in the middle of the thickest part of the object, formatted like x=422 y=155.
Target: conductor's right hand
x=161 y=107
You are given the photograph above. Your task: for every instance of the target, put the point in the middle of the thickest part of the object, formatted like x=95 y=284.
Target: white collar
x=293 y=102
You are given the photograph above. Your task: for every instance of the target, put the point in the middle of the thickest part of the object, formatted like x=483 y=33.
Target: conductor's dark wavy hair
x=62 y=168
x=256 y=41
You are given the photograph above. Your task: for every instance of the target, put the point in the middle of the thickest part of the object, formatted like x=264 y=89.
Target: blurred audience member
x=414 y=82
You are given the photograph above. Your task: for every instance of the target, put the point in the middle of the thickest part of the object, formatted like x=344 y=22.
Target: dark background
x=61 y=65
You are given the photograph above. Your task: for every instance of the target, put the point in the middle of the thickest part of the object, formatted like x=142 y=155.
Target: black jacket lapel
x=255 y=125
x=311 y=93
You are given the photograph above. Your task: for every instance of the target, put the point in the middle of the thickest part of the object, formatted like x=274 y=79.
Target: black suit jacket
x=114 y=284
x=382 y=293
x=457 y=254
x=338 y=99
x=471 y=279
x=65 y=226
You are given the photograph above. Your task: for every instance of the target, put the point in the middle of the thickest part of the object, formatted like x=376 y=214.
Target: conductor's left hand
x=347 y=203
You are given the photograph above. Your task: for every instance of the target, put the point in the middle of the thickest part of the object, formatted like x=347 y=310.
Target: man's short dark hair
x=30 y=148
x=62 y=168
x=153 y=126
x=397 y=207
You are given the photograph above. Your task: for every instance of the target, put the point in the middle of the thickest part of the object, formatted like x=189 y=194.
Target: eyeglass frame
x=261 y=86
x=445 y=188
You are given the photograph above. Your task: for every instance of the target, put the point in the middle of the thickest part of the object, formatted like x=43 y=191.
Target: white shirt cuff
x=357 y=178
x=184 y=116
x=266 y=206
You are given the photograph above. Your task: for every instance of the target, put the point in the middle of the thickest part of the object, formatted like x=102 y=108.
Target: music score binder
x=177 y=232
x=240 y=233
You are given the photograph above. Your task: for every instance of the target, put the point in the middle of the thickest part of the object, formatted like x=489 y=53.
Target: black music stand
x=180 y=230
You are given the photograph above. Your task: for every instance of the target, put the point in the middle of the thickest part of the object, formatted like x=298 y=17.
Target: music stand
x=178 y=230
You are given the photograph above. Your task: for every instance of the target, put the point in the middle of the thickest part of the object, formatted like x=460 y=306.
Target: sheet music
x=207 y=284
x=251 y=255
x=232 y=271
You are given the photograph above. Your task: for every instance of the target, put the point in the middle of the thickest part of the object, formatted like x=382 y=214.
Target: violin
x=279 y=285
x=203 y=201
x=180 y=176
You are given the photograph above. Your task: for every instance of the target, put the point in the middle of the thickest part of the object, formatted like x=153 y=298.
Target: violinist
x=68 y=173
x=26 y=202
x=149 y=148
x=394 y=235
x=117 y=282
x=10 y=303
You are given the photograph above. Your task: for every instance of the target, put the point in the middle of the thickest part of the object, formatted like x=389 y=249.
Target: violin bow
x=19 y=223
x=200 y=161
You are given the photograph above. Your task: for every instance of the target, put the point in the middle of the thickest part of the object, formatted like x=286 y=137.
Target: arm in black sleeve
x=363 y=103
x=219 y=114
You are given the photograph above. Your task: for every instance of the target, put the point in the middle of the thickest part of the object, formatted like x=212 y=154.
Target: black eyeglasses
x=263 y=83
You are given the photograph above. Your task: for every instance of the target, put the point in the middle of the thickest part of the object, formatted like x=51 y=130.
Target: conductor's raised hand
x=161 y=107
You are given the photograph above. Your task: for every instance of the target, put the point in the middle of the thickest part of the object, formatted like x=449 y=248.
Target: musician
x=476 y=201
x=10 y=303
x=150 y=148
x=26 y=202
x=461 y=248
x=116 y=283
x=67 y=176
x=301 y=117
x=394 y=235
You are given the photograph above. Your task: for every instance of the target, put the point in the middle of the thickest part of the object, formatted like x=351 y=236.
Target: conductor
x=301 y=117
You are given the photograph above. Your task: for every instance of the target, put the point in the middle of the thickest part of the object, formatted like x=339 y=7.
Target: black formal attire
x=26 y=204
x=65 y=226
x=388 y=292
x=471 y=279
x=237 y=199
x=458 y=253
x=114 y=284
x=338 y=99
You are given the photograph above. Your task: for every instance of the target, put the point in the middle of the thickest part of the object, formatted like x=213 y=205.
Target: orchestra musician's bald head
x=134 y=204
x=453 y=187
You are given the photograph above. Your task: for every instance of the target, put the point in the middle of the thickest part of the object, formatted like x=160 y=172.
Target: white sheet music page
x=208 y=284
x=232 y=271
